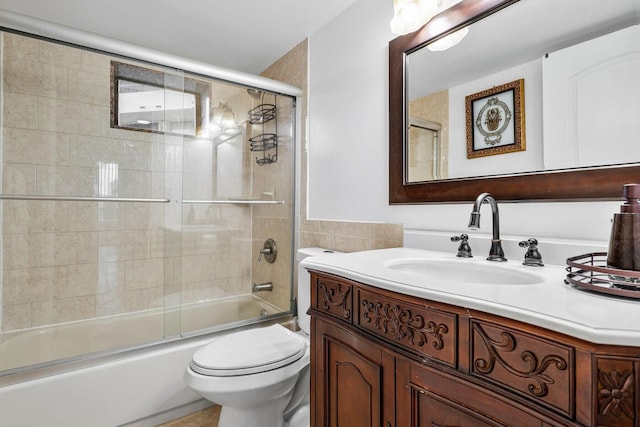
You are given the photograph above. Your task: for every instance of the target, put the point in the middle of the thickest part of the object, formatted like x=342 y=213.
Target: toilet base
x=300 y=418
x=265 y=416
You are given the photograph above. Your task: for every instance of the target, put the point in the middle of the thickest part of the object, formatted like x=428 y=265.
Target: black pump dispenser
x=624 y=245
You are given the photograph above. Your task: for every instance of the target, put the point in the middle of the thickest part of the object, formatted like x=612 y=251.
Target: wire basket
x=590 y=272
x=262 y=142
x=267 y=159
x=262 y=113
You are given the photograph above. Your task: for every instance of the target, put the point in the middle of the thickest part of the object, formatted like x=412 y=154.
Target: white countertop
x=550 y=303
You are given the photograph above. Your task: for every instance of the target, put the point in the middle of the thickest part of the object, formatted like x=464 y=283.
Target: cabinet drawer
x=332 y=296
x=434 y=411
x=537 y=368
x=426 y=331
x=441 y=399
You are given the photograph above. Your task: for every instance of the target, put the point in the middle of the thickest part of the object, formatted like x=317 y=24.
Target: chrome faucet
x=266 y=286
x=496 y=253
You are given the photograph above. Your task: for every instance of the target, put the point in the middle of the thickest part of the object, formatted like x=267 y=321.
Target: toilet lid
x=249 y=352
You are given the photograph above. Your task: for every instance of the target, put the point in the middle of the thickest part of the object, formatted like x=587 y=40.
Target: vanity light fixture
x=409 y=15
x=448 y=41
x=223 y=116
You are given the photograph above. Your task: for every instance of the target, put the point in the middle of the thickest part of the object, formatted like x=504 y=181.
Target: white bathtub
x=139 y=388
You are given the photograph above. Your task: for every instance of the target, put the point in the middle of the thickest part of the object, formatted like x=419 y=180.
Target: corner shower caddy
x=265 y=142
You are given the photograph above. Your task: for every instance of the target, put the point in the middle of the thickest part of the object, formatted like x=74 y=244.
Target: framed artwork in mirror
x=495 y=120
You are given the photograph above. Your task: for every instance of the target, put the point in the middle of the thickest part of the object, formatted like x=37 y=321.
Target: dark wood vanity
x=380 y=358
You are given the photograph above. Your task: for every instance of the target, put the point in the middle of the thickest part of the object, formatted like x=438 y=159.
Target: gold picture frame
x=495 y=120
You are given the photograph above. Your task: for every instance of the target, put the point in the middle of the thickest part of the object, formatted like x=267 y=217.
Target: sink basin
x=463 y=270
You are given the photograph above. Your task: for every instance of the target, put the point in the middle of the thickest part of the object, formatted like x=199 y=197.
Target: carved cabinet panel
x=616 y=380
x=539 y=369
x=419 y=329
x=333 y=297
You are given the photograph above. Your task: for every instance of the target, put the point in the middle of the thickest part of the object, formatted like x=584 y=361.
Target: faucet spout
x=267 y=286
x=496 y=253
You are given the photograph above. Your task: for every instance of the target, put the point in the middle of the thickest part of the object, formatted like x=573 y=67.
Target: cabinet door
x=437 y=399
x=350 y=376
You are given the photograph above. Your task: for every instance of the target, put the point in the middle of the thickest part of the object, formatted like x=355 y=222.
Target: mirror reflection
x=424 y=153
x=151 y=100
x=578 y=60
x=155 y=108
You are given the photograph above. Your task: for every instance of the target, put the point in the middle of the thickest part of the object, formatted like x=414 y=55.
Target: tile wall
x=435 y=108
x=66 y=261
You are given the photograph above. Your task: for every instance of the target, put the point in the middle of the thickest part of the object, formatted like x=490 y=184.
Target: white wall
x=529 y=160
x=348 y=143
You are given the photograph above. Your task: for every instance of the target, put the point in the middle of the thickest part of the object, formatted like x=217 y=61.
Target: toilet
x=259 y=376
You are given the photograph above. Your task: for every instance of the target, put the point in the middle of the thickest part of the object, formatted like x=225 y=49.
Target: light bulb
x=409 y=15
x=448 y=41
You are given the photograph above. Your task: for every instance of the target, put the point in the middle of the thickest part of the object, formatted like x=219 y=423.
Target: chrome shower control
x=269 y=251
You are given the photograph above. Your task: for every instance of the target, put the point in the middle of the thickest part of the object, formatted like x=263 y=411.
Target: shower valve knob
x=268 y=251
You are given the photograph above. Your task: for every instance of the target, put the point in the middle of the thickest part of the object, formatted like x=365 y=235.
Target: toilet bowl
x=259 y=376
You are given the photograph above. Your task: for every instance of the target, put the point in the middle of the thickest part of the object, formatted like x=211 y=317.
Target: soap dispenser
x=624 y=246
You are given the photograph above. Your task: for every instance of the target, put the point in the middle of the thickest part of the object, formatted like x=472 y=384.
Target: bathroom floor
x=205 y=418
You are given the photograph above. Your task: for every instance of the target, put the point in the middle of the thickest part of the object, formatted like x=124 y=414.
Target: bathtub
x=138 y=387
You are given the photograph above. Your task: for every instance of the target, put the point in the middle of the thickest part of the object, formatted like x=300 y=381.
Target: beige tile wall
x=277 y=221
x=435 y=107
x=66 y=261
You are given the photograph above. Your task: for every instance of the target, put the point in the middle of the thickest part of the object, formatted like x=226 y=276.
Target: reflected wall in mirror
x=156 y=101
x=587 y=147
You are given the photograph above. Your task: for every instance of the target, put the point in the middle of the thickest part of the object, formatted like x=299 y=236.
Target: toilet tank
x=304 y=285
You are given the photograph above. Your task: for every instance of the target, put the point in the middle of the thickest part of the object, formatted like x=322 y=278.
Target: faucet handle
x=532 y=257
x=464 y=250
x=269 y=251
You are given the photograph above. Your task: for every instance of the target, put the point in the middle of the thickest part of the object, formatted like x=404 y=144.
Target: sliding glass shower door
x=135 y=201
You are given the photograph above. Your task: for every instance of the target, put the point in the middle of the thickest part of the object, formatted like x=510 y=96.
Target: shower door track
x=80 y=198
x=236 y=202
x=134 y=200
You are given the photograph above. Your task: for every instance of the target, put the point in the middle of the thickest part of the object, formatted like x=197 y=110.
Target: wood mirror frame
x=578 y=184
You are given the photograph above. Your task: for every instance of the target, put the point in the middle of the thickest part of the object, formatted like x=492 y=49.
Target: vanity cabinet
x=380 y=358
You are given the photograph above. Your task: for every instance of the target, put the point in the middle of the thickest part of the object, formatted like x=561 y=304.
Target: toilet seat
x=249 y=352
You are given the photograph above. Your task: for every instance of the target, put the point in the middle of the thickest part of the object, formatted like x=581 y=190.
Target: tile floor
x=205 y=418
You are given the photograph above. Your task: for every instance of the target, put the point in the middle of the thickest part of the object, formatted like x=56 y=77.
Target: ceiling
x=244 y=35
x=528 y=30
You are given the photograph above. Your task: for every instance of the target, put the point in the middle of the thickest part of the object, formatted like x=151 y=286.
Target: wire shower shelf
x=262 y=114
x=265 y=142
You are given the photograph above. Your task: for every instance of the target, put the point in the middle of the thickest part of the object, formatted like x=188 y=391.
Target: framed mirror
x=579 y=118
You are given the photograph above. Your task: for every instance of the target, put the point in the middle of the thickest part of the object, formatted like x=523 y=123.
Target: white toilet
x=259 y=376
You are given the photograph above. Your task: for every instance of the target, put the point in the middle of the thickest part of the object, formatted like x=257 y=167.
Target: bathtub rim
x=88 y=360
